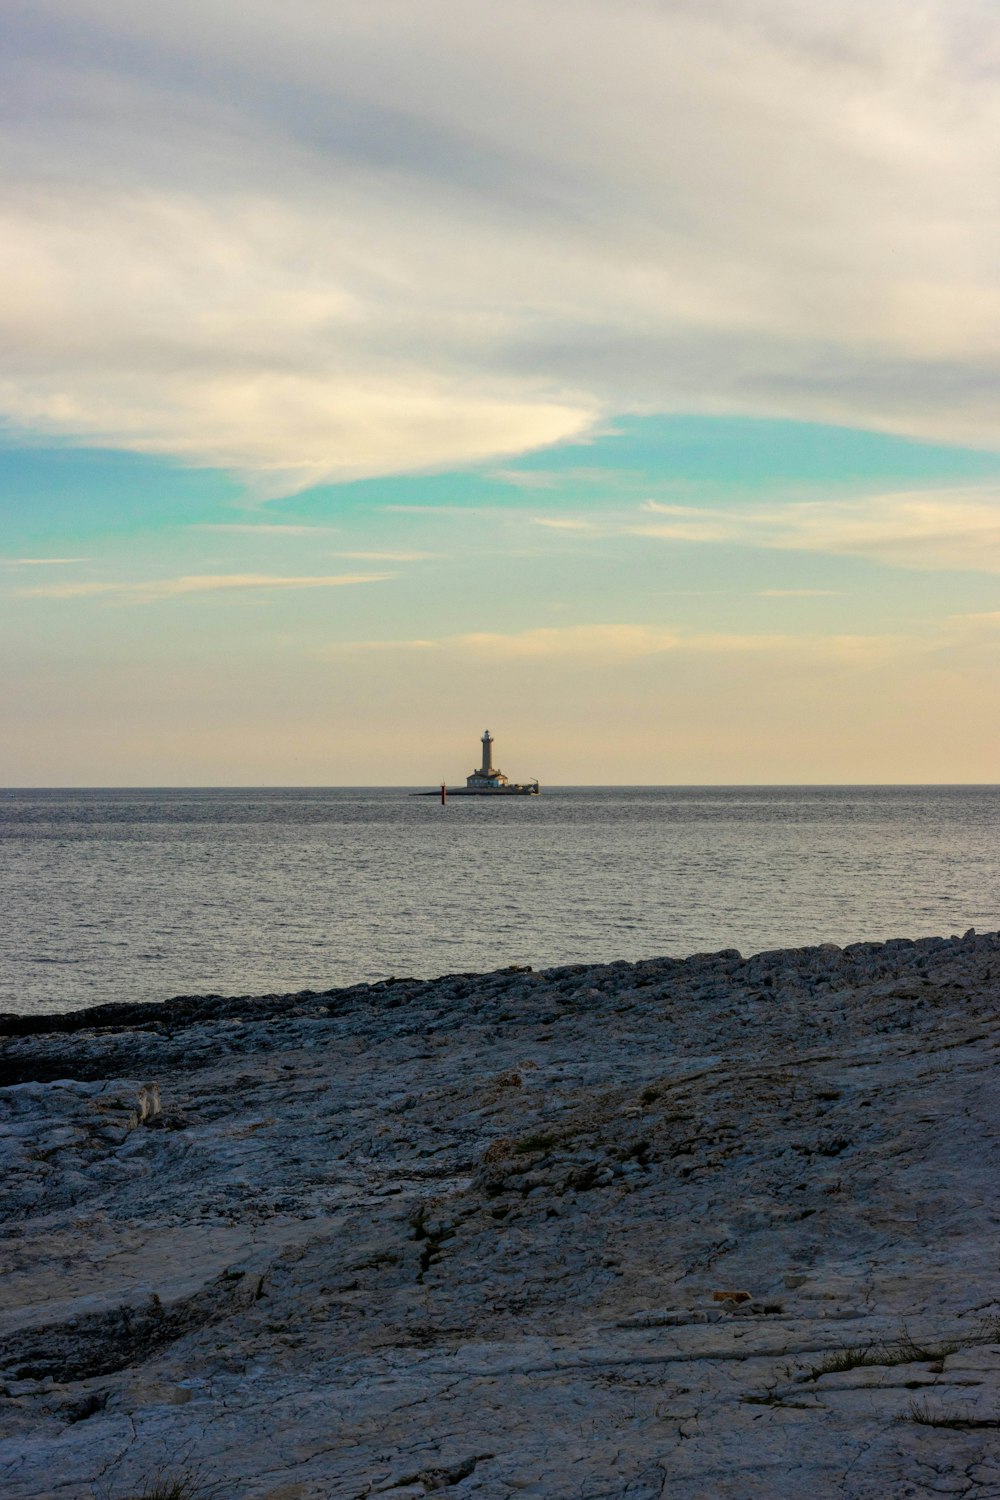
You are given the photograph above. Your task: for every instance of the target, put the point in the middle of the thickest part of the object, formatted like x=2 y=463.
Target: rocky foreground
x=705 y=1228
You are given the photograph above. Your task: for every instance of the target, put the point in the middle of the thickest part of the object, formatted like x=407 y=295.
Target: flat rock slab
x=712 y=1229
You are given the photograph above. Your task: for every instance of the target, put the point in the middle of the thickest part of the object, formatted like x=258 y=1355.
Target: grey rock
x=336 y=1250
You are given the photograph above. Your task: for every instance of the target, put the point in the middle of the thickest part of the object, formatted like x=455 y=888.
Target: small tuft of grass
x=176 y=1489
x=184 y=1486
x=839 y=1361
x=920 y=1412
x=904 y=1350
x=909 y=1352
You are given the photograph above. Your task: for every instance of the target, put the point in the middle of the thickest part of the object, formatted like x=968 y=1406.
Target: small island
x=487 y=780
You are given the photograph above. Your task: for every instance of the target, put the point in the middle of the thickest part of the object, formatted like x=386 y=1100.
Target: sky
x=621 y=375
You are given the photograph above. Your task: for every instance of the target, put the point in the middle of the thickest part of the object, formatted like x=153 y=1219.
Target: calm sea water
x=139 y=895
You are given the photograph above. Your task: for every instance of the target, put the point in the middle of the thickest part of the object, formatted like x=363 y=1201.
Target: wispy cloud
x=40 y=562
x=572 y=640
x=527 y=479
x=390 y=556
x=988 y=618
x=608 y=643
x=416 y=644
x=626 y=641
x=266 y=528
x=150 y=590
x=946 y=529
x=564 y=523
x=688 y=523
x=921 y=529
x=472 y=512
x=553 y=479
x=595 y=641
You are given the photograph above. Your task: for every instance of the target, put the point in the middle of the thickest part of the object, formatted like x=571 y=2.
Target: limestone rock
x=680 y=1228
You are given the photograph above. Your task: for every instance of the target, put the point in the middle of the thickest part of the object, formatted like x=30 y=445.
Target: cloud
x=553 y=479
x=469 y=512
x=390 y=556
x=334 y=241
x=594 y=641
x=947 y=529
x=609 y=643
x=412 y=645
x=571 y=640
x=690 y=524
x=528 y=479
x=170 y=588
x=265 y=528
x=40 y=562
x=564 y=523
x=988 y=619
x=798 y=593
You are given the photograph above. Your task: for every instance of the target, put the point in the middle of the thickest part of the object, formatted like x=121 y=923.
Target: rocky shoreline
x=705 y=1229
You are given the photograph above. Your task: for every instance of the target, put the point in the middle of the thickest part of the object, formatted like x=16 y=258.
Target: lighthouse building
x=486 y=778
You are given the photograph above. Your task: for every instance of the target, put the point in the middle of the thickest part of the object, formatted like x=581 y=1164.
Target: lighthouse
x=487 y=779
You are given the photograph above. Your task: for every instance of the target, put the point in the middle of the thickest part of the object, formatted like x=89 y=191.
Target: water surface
x=140 y=895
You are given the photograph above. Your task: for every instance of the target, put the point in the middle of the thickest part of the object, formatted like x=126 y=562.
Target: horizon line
x=563 y=786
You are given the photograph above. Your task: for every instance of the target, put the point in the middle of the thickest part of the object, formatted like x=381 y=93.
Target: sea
x=139 y=895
